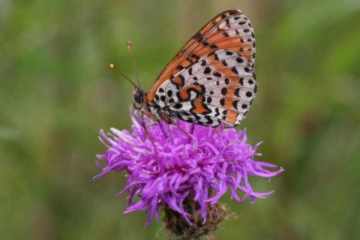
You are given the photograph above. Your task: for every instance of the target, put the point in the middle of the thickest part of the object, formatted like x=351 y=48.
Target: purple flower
x=166 y=164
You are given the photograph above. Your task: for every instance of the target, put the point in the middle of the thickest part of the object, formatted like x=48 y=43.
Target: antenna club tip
x=129 y=44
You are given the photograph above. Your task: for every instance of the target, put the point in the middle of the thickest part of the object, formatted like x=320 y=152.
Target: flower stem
x=180 y=229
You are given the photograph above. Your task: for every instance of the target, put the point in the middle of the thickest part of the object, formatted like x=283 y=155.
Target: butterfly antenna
x=130 y=47
x=135 y=85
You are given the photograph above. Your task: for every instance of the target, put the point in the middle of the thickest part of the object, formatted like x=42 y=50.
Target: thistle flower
x=176 y=166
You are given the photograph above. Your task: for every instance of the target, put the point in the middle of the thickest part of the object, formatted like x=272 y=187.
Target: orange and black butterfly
x=211 y=81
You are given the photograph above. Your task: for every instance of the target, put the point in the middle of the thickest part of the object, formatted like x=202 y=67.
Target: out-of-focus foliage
x=56 y=92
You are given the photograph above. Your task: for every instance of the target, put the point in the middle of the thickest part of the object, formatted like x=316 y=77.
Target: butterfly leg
x=146 y=131
x=187 y=132
x=192 y=128
x=162 y=128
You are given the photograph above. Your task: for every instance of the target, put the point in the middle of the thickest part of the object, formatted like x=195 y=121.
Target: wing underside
x=212 y=79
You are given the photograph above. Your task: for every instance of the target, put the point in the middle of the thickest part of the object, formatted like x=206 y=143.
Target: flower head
x=167 y=164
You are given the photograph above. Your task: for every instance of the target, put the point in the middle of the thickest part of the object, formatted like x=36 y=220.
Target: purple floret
x=169 y=163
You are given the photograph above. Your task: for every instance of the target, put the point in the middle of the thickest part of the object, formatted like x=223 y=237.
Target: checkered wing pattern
x=211 y=81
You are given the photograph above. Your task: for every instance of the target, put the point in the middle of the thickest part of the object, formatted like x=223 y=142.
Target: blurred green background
x=56 y=92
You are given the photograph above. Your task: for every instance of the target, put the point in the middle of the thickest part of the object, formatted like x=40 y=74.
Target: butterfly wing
x=212 y=79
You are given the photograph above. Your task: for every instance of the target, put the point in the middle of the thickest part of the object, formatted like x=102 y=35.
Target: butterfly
x=211 y=80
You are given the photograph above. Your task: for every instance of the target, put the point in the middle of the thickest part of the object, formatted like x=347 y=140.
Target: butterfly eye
x=138 y=98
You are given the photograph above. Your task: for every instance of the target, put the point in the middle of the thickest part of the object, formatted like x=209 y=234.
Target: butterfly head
x=139 y=98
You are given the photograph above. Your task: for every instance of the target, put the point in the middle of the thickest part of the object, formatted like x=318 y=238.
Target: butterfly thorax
x=150 y=108
x=139 y=99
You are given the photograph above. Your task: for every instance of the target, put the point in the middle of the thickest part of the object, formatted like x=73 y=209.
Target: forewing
x=212 y=79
